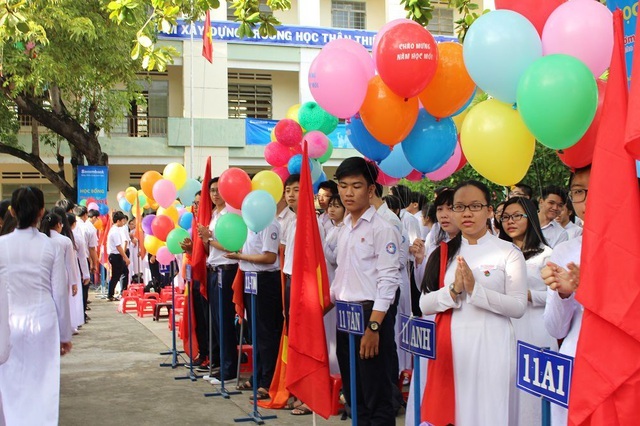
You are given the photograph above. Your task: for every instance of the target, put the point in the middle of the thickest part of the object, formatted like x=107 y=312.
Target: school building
x=226 y=109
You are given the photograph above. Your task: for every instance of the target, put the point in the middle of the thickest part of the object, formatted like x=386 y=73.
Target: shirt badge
x=274 y=235
x=487 y=273
x=391 y=248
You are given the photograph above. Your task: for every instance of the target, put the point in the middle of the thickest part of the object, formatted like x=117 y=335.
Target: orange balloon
x=388 y=117
x=147 y=181
x=451 y=87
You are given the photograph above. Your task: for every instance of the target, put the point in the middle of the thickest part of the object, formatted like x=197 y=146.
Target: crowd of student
x=489 y=277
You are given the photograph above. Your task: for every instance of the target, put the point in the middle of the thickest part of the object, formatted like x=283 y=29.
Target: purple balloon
x=146 y=223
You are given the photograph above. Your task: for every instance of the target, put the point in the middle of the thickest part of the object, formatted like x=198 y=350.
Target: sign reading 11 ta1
x=544 y=373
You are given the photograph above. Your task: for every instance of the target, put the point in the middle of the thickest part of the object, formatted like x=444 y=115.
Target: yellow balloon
x=134 y=210
x=268 y=181
x=292 y=113
x=176 y=173
x=171 y=211
x=153 y=204
x=459 y=119
x=152 y=244
x=497 y=143
x=130 y=194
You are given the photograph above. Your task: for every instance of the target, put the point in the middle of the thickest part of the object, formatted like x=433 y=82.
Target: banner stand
x=173 y=352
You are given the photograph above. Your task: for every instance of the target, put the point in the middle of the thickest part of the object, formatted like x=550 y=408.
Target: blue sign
x=258 y=132
x=418 y=336
x=250 y=282
x=165 y=269
x=544 y=373
x=350 y=317
x=188 y=273
x=630 y=15
x=93 y=182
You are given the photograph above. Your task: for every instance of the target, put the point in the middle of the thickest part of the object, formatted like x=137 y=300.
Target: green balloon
x=557 y=99
x=175 y=238
x=325 y=157
x=312 y=117
x=231 y=231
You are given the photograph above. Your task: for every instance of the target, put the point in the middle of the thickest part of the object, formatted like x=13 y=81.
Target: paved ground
x=112 y=377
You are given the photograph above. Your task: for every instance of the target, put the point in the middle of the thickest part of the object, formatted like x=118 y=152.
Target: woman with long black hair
x=32 y=268
x=475 y=284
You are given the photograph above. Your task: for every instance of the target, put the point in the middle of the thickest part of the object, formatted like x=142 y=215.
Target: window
x=442 y=21
x=250 y=95
x=51 y=192
x=264 y=9
x=148 y=118
x=348 y=14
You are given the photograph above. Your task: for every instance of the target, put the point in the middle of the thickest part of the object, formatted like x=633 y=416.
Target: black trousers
x=374 y=391
x=269 y=322
x=201 y=313
x=85 y=288
x=225 y=335
x=125 y=273
x=117 y=268
x=415 y=291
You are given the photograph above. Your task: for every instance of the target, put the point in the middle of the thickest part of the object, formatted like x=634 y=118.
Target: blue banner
x=350 y=317
x=544 y=373
x=630 y=15
x=258 y=132
x=93 y=182
x=288 y=35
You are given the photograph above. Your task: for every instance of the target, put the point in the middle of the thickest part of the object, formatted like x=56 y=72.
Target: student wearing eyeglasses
x=484 y=286
x=520 y=225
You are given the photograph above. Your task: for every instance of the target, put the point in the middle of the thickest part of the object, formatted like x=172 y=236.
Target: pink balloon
x=164 y=256
x=277 y=154
x=376 y=39
x=281 y=171
x=317 y=143
x=414 y=176
x=386 y=180
x=164 y=192
x=581 y=28
x=288 y=132
x=92 y=206
x=357 y=49
x=232 y=209
x=449 y=167
x=338 y=82
x=120 y=195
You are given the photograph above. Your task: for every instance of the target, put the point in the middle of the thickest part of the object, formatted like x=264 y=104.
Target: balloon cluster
x=167 y=193
x=539 y=61
x=250 y=204
x=94 y=204
x=401 y=117
x=308 y=123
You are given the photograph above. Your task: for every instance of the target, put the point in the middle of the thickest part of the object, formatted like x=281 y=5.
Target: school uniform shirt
x=82 y=251
x=285 y=217
x=33 y=271
x=90 y=232
x=72 y=276
x=126 y=237
x=289 y=243
x=573 y=230
x=5 y=344
x=482 y=338
x=563 y=317
x=368 y=261
x=114 y=239
x=267 y=240
x=554 y=233
x=216 y=256
x=411 y=224
x=530 y=328
x=325 y=222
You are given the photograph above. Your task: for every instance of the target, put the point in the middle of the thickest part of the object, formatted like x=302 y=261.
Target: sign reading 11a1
x=544 y=373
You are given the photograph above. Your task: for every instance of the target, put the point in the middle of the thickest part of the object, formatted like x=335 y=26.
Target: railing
x=137 y=127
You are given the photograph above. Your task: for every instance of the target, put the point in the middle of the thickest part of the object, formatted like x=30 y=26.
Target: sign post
x=546 y=374
x=351 y=320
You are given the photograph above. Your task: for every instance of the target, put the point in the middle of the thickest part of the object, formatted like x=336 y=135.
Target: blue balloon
x=316 y=170
x=364 y=143
x=258 y=210
x=396 y=164
x=295 y=164
x=124 y=205
x=638 y=168
x=103 y=208
x=498 y=48
x=316 y=184
x=431 y=142
x=187 y=193
x=466 y=104
x=186 y=220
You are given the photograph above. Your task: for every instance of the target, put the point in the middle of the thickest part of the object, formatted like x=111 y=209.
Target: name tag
x=250 y=283
x=418 y=336
x=188 y=272
x=544 y=373
x=350 y=317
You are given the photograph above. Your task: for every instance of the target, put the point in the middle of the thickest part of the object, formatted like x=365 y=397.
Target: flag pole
x=192 y=134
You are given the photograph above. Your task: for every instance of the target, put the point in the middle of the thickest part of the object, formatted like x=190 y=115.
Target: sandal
x=302 y=410
x=261 y=394
x=245 y=386
x=293 y=403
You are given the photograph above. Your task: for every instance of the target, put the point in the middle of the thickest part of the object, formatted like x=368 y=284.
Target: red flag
x=606 y=377
x=199 y=255
x=307 y=362
x=632 y=133
x=207 y=41
x=103 y=256
x=238 y=293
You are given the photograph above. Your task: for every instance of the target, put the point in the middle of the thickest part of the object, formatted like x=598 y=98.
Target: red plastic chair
x=146 y=306
x=336 y=386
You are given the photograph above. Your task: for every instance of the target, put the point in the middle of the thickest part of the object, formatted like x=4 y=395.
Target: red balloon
x=407 y=58
x=463 y=159
x=234 y=184
x=536 y=11
x=277 y=154
x=581 y=154
x=288 y=132
x=386 y=180
x=415 y=176
x=161 y=226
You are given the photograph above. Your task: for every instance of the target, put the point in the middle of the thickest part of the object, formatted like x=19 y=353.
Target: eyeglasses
x=475 y=207
x=578 y=195
x=516 y=217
